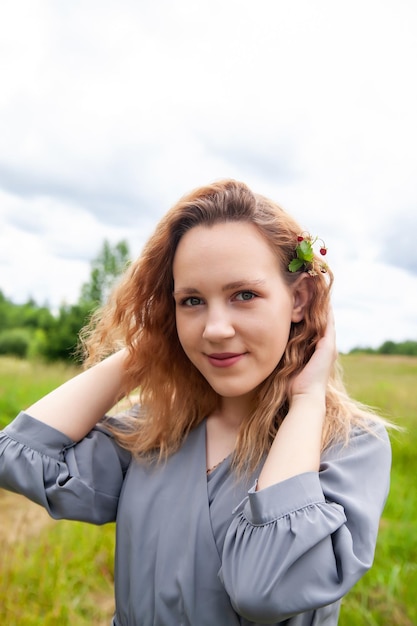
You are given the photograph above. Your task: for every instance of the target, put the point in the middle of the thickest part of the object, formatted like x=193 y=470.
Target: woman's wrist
x=313 y=402
x=297 y=444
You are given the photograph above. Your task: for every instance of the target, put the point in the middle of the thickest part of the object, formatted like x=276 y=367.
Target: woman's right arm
x=55 y=454
x=75 y=407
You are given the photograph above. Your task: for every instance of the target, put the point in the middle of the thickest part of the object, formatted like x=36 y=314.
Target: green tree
x=19 y=324
x=389 y=347
x=3 y=311
x=109 y=264
x=15 y=341
x=33 y=331
x=28 y=315
x=406 y=348
x=62 y=339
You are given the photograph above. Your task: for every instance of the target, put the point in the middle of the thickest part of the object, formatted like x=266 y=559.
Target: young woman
x=246 y=485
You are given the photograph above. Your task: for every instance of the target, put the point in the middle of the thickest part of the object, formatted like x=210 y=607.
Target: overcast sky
x=111 y=110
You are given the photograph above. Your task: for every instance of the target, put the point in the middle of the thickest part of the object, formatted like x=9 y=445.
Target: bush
x=405 y=348
x=15 y=342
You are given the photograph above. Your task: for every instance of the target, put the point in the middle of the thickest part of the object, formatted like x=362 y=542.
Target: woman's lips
x=224 y=359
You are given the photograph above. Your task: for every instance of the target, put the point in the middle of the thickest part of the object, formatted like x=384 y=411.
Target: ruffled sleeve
x=80 y=481
x=304 y=542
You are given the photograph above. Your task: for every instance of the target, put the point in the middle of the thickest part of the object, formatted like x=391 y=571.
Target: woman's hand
x=297 y=445
x=313 y=378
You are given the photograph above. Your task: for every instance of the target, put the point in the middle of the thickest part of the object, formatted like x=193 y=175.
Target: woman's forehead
x=227 y=252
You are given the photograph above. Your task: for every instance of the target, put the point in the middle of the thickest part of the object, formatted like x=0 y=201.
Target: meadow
x=62 y=572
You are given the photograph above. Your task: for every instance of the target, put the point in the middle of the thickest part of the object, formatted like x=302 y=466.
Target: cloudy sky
x=110 y=110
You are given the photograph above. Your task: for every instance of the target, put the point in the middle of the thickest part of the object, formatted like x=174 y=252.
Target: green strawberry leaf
x=305 y=251
x=295 y=265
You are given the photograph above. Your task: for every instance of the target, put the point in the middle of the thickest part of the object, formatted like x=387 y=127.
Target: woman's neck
x=233 y=411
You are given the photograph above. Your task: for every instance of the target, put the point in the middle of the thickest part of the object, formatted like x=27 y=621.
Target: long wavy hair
x=173 y=396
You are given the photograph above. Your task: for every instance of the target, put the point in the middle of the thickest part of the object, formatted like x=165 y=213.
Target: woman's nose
x=218 y=326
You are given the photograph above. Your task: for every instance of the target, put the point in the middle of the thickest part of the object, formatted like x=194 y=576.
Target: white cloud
x=374 y=302
x=109 y=111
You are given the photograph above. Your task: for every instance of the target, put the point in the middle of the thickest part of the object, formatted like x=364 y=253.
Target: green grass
x=386 y=594
x=22 y=382
x=65 y=575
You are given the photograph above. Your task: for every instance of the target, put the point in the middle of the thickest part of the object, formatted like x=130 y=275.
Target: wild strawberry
x=300 y=238
x=323 y=251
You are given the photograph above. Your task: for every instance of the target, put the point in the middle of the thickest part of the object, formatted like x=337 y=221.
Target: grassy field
x=64 y=575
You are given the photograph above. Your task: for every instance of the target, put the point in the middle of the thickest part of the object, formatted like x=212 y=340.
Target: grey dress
x=192 y=551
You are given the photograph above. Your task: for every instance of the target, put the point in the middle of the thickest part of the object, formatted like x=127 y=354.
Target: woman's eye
x=245 y=295
x=192 y=301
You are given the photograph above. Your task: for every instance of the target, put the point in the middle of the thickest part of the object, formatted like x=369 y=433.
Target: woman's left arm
x=308 y=530
x=304 y=542
x=297 y=445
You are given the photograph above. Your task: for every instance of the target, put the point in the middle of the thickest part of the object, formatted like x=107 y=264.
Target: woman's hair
x=173 y=396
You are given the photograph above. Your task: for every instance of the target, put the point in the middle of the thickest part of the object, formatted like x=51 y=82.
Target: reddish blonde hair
x=173 y=395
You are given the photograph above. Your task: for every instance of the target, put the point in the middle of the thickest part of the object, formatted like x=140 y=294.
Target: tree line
x=32 y=331
x=403 y=348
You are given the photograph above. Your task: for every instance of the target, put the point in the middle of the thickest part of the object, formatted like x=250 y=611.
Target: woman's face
x=233 y=308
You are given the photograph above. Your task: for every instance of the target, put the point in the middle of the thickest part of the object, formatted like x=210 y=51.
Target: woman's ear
x=301 y=297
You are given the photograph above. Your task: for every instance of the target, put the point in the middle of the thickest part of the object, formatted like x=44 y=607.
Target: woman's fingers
x=315 y=374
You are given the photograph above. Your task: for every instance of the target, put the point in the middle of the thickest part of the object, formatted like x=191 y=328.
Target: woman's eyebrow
x=237 y=284
x=185 y=291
